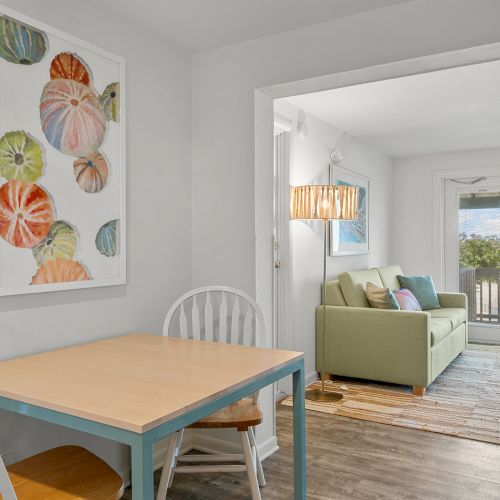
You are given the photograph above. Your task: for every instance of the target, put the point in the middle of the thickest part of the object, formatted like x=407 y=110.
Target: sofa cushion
x=353 y=285
x=389 y=276
x=456 y=315
x=423 y=289
x=440 y=329
x=334 y=296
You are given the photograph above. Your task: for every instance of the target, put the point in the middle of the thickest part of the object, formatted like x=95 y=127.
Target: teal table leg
x=142 y=470
x=299 y=434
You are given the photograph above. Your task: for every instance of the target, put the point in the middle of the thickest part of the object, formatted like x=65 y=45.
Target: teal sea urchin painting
x=20 y=44
x=106 y=239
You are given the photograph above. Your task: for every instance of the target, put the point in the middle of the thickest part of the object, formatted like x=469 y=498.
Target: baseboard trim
x=209 y=444
x=206 y=444
x=159 y=455
x=483 y=341
x=311 y=377
x=268 y=448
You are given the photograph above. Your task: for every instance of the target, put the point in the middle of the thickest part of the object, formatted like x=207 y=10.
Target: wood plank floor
x=354 y=459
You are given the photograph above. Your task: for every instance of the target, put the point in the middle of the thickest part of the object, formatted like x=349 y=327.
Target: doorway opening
x=472 y=251
x=268 y=250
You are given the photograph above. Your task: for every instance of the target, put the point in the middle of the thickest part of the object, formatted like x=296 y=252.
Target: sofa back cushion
x=334 y=296
x=353 y=285
x=389 y=276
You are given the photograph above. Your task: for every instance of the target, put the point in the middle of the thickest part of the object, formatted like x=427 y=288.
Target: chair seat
x=240 y=415
x=67 y=472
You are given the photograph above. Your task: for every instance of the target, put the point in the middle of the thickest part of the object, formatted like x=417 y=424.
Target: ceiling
x=450 y=110
x=197 y=25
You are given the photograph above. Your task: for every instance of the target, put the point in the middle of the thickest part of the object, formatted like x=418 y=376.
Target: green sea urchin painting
x=21 y=157
x=110 y=101
x=60 y=242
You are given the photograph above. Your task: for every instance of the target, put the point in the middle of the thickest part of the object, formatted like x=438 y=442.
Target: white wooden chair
x=60 y=474
x=226 y=315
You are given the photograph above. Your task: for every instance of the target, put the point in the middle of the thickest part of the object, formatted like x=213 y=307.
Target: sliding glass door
x=472 y=251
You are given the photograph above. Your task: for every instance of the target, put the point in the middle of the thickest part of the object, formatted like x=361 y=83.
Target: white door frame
x=439 y=178
x=263 y=135
x=283 y=332
x=480 y=332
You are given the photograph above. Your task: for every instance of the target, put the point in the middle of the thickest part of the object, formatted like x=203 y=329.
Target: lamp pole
x=324 y=202
x=321 y=394
x=325 y=225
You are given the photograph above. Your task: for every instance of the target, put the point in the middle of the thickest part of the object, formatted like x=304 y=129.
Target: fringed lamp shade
x=324 y=202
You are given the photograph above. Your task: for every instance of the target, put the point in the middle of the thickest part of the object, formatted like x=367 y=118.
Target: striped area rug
x=463 y=401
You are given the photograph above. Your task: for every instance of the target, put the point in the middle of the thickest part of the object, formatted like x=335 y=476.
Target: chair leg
x=249 y=462
x=260 y=472
x=178 y=444
x=167 y=468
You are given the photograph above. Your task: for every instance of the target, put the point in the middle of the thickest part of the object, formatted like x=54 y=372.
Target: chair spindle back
x=216 y=314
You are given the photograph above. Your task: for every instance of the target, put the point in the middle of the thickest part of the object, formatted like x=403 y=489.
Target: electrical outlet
x=8 y=457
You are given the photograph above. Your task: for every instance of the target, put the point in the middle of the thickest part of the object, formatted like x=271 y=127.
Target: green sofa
x=400 y=347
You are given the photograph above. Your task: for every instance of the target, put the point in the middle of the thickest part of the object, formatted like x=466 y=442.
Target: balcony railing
x=481 y=287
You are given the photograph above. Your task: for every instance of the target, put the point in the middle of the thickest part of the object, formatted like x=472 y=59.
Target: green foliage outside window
x=479 y=253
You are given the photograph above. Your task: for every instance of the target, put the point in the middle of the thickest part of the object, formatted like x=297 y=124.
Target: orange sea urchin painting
x=59 y=271
x=69 y=67
x=91 y=172
x=26 y=213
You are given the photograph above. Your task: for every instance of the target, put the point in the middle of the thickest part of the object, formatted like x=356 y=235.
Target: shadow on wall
x=36 y=300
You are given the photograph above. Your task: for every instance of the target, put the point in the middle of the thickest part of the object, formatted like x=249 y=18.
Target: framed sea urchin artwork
x=62 y=160
x=351 y=237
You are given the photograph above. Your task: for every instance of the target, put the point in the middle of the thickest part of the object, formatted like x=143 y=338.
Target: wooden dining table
x=139 y=388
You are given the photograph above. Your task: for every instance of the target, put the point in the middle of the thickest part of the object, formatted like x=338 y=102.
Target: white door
x=472 y=251
x=282 y=328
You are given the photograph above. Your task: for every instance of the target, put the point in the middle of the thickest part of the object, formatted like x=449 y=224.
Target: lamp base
x=323 y=396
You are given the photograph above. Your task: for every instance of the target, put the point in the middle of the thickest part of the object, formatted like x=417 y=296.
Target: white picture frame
x=97 y=60
x=346 y=237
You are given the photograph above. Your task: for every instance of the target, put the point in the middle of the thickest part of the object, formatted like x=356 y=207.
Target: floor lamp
x=324 y=202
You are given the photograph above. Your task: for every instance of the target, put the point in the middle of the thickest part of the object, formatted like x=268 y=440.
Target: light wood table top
x=136 y=382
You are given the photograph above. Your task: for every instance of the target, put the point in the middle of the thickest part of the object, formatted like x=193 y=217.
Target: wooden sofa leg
x=326 y=376
x=418 y=390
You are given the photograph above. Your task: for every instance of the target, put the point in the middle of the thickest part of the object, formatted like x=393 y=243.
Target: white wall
x=224 y=83
x=414 y=209
x=310 y=160
x=158 y=212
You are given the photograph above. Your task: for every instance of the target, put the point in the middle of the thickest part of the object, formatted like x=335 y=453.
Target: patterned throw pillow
x=380 y=298
x=406 y=300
